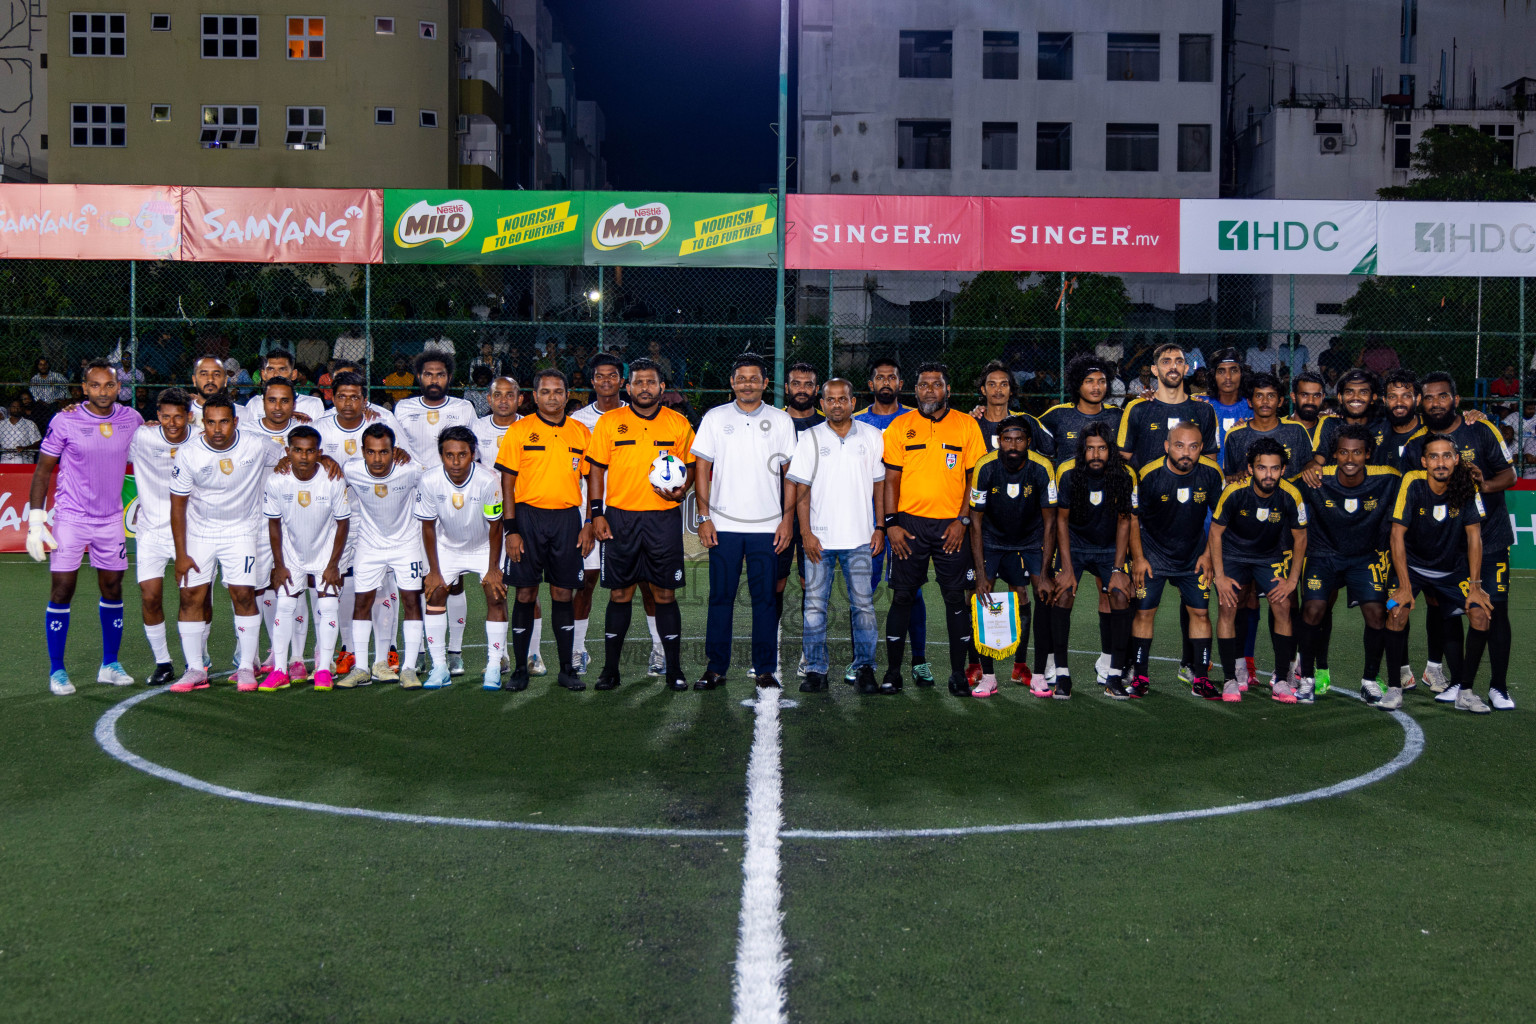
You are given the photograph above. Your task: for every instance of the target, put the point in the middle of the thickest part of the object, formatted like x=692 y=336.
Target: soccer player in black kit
x=1168 y=546
x=1259 y=539
x=1095 y=498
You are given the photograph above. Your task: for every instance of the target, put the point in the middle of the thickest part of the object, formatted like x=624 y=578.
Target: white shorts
x=233 y=556
x=409 y=565
x=593 y=563
x=264 y=560
x=455 y=563
x=152 y=553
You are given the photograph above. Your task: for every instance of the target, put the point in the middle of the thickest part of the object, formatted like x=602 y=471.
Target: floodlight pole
x=778 y=310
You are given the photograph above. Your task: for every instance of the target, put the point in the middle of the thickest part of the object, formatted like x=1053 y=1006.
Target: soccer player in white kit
x=209 y=378
x=153 y=454
x=388 y=539
x=216 y=489
x=307 y=525
x=274 y=422
x=279 y=363
x=459 y=506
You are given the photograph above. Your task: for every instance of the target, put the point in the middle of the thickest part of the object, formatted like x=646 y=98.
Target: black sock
x=1375 y=643
x=897 y=619
x=1142 y=658
x=1106 y=632
x=1061 y=632
x=1201 y=648
x=1322 y=640
x=1026 y=623
x=615 y=627
x=957 y=617
x=1472 y=657
x=1042 y=640
x=563 y=617
x=1397 y=655
x=1451 y=641
x=1240 y=628
x=522 y=626
x=1306 y=640
x=988 y=666
x=1500 y=640
x=1434 y=635
x=1120 y=641
x=669 y=623
x=1227 y=647
x=1285 y=653
x=1186 y=651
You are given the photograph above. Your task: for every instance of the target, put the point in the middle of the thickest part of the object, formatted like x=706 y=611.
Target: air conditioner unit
x=463 y=49
x=463 y=128
x=1330 y=144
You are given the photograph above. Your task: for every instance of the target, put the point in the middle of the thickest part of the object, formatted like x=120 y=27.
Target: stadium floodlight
x=594 y=295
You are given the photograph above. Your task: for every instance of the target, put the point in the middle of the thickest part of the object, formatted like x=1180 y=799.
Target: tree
x=1459 y=163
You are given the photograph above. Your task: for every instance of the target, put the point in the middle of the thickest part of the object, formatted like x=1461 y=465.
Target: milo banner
x=564 y=228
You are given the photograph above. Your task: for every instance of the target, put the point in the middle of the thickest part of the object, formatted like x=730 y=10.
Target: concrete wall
x=23 y=90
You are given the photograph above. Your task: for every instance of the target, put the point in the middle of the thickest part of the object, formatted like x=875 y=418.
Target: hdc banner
x=1276 y=236
x=1457 y=239
x=884 y=233
x=1108 y=235
x=90 y=222
x=284 y=225
x=1521 y=500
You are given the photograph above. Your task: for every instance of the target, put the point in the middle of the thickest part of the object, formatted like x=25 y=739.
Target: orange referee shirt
x=933 y=458
x=547 y=460
x=625 y=444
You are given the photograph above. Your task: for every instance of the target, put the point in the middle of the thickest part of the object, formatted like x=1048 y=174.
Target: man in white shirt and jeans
x=837 y=472
x=745 y=510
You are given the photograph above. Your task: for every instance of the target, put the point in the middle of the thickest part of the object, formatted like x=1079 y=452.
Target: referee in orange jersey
x=641 y=528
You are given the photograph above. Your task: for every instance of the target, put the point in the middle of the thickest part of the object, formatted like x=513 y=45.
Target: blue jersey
x=1227 y=417
x=874 y=419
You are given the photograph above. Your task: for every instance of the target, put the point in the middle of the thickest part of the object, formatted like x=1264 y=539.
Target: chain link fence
x=157 y=318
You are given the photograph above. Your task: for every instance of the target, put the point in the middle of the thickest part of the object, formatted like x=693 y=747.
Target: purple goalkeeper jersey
x=93 y=455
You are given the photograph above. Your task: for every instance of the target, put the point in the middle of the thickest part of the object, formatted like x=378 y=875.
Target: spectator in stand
x=1110 y=350
x=1115 y=399
x=32 y=411
x=1334 y=361
x=1145 y=385
x=1260 y=358
x=400 y=381
x=653 y=350
x=49 y=387
x=324 y=382
x=128 y=382
x=439 y=344
x=160 y=356
x=1141 y=355
x=1293 y=357
x=478 y=394
x=1507 y=389
x=354 y=347
x=241 y=383
x=1378 y=357
x=490 y=361
x=1193 y=357
x=19 y=437
x=1521 y=434
x=312 y=352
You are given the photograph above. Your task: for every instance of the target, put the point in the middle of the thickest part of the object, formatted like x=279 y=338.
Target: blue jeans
x=725 y=558
x=858 y=578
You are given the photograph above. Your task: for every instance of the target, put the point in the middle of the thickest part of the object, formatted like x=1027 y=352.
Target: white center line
x=761 y=966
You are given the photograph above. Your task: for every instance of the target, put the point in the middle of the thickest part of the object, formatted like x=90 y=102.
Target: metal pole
x=778 y=312
x=1061 y=342
x=1520 y=409
x=1477 y=350
x=831 y=274
x=1290 y=330
x=602 y=300
x=368 y=327
x=133 y=328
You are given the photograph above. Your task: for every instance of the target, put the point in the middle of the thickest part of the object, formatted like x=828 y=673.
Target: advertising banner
x=1106 y=235
x=1276 y=236
x=283 y=225
x=90 y=222
x=422 y=226
x=15 y=486
x=1521 y=500
x=884 y=233
x=1457 y=239
x=681 y=229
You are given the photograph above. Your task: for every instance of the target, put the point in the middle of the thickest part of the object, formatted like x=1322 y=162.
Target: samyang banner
x=1276 y=236
x=1064 y=233
x=90 y=222
x=283 y=225
x=1457 y=239
x=884 y=233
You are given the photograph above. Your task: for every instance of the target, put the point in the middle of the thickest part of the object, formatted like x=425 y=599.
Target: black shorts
x=1449 y=592
x=1262 y=575
x=1100 y=563
x=926 y=541
x=1194 y=588
x=1496 y=575
x=1363 y=578
x=647 y=547
x=794 y=554
x=1012 y=567
x=551 y=552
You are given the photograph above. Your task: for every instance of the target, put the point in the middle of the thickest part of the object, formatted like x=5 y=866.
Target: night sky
x=689 y=88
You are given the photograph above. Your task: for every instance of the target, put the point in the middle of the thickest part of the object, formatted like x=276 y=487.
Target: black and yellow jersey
x=1067 y=424
x=1093 y=521
x=1436 y=538
x=1144 y=427
x=1350 y=522
x=1172 y=513
x=1480 y=445
x=1012 y=504
x=1258 y=526
x=1292 y=436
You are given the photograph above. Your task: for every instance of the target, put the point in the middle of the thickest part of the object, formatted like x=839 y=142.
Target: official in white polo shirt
x=837 y=473
x=745 y=509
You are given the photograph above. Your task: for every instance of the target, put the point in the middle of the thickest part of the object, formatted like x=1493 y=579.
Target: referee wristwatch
x=963 y=520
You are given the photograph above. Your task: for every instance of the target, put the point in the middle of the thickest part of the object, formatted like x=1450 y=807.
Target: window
x=306 y=128
x=1194 y=58
x=999 y=55
x=95 y=125
x=1194 y=147
x=160 y=112
x=1402 y=147
x=1133 y=57
x=1054 y=57
x=306 y=38
x=229 y=37
x=428 y=119
x=1505 y=134
x=999 y=145
x=1053 y=146
x=383 y=115
x=384 y=26
x=427 y=29
x=925 y=54
x=159 y=22
x=230 y=127
x=1330 y=309
x=922 y=145
x=98 y=35
x=43 y=139
x=1130 y=147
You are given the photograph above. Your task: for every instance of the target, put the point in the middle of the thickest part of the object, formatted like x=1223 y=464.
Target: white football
x=668 y=472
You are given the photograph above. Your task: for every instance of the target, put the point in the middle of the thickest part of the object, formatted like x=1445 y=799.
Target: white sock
x=191 y=643
x=360 y=630
x=301 y=617
x=533 y=636
x=386 y=602
x=348 y=595
x=283 y=614
x=327 y=628
x=650 y=623
x=266 y=605
x=458 y=611
x=413 y=632
x=579 y=638
x=157 y=644
x=207 y=632
x=437 y=646
x=495 y=641
x=247 y=639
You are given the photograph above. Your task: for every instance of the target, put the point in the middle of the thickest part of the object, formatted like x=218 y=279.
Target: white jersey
x=309 y=405
x=841 y=473
x=277 y=437
x=747 y=452
x=381 y=507
x=587 y=415
x=195 y=415
x=153 y=459
x=464 y=512
x=224 y=487
x=309 y=510
x=488 y=438
x=421 y=424
x=342 y=444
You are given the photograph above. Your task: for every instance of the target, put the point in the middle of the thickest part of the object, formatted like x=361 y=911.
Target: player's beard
x=1013 y=460
x=433 y=392
x=1401 y=419
x=1264 y=489
x=800 y=401
x=1171 y=379
x=885 y=396
x=1181 y=464
x=1096 y=466
x=1439 y=424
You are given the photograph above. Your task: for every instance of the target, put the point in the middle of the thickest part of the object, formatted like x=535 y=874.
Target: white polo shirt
x=746 y=453
x=841 y=472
